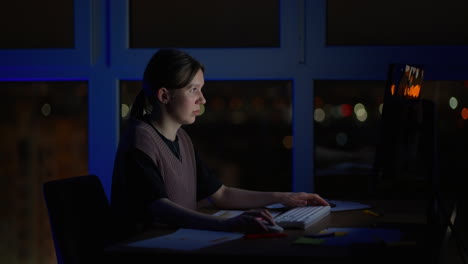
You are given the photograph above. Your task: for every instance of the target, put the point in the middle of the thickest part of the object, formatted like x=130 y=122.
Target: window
x=346 y=118
x=44 y=137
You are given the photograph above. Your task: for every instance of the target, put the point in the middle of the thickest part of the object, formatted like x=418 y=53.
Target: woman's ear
x=163 y=95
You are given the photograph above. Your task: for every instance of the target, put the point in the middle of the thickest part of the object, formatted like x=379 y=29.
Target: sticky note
x=342 y=233
x=369 y=212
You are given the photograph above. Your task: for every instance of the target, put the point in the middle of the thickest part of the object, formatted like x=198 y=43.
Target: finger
x=300 y=199
x=267 y=213
x=252 y=224
x=268 y=218
x=263 y=215
x=262 y=223
x=301 y=202
x=319 y=200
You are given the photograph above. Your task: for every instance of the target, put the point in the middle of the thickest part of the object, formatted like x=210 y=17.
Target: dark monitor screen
x=407 y=162
x=404 y=160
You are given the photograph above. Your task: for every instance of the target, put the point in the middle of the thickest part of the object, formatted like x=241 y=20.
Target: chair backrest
x=80 y=218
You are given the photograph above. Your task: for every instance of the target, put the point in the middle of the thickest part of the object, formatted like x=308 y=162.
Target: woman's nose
x=201 y=99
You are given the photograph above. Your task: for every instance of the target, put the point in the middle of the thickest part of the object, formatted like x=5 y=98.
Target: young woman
x=159 y=176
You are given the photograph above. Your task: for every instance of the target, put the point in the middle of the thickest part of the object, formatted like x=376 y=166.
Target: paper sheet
x=347 y=205
x=187 y=239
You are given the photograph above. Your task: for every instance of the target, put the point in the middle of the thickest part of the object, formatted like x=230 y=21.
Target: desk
x=407 y=216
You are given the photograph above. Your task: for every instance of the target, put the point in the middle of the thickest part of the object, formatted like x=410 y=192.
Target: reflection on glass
x=244 y=133
x=44 y=137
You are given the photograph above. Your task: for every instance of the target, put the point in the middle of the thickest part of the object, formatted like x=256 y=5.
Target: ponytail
x=139 y=105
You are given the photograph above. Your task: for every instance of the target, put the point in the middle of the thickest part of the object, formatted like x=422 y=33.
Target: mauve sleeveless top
x=179 y=175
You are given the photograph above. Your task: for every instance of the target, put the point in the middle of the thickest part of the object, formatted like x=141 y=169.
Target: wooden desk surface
x=408 y=216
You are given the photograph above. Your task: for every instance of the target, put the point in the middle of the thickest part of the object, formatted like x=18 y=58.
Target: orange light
x=288 y=142
x=412 y=91
x=464 y=113
x=392 y=89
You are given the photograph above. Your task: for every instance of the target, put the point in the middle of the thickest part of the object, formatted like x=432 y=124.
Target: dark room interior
x=296 y=100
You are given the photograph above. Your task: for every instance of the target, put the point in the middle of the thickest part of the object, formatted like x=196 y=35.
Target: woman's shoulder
x=140 y=134
x=139 y=127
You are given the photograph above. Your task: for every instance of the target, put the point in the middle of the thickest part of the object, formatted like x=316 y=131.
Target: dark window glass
x=346 y=116
x=346 y=136
x=204 y=23
x=34 y=24
x=397 y=22
x=44 y=137
x=244 y=133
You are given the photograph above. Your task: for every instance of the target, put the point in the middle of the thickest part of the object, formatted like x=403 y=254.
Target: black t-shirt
x=144 y=173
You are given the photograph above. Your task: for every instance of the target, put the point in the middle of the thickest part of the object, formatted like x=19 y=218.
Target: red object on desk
x=265 y=235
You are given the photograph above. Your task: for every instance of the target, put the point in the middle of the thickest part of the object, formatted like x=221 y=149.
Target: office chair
x=80 y=219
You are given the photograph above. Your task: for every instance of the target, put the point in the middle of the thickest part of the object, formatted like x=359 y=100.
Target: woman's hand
x=294 y=199
x=252 y=221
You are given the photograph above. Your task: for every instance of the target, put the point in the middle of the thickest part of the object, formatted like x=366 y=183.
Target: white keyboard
x=302 y=217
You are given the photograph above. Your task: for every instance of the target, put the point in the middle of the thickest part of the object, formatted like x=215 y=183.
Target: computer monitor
x=406 y=161
x=405 y=154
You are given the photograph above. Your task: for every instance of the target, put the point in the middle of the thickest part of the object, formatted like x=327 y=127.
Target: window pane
x=451 y=102
x=35 y=24
x=204 y=23
x=44 y=137
x=244 y=133
x=397 y=22
x=346 y=139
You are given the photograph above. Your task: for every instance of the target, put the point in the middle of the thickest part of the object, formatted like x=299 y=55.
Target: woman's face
x=184 y=105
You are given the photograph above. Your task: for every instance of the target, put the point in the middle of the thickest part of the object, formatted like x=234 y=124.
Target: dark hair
x=168 y=68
